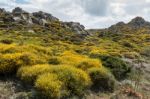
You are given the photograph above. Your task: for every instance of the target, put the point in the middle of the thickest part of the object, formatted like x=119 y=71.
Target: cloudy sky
x=90 y=13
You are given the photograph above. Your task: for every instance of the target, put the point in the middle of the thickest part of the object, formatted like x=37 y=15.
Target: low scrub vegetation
x=102 y=79
x=7 y=41
x=75 y=80
x=48 y=86
x=30 y=73
x=116 y=65
x=62 y=72
x=60 y=67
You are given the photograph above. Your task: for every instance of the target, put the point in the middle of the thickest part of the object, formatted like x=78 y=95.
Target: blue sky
x=90 y=13
x=22 y=1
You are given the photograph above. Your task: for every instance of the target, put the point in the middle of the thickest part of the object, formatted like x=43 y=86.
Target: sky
x=90 y=13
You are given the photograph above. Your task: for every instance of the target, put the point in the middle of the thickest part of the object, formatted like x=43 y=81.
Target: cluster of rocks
x=76 y=27
x=138 y=22
x=18 y=15
x=134 y=24
x=39 y=18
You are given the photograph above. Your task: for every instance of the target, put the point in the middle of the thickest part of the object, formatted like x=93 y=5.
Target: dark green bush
x=7 y=41
x=102 y=79
x=146 y=52
x=117 y=66
x=54 y=61
x=128 y=44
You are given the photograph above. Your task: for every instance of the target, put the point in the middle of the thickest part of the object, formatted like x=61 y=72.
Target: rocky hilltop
x=137 y=30
x=135 y=24
x=21 y=17
x=139 y=22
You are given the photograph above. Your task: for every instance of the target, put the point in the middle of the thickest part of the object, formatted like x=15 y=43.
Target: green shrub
x=146 y=52
x=131 y=55
x=54 y=61
x=118 y=67
x=102 y=79
x=29 y=73
x=128 y=44
x=7 y=41
x=48 y=86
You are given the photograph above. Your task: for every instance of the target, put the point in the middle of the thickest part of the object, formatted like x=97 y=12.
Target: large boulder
x=45 y=16
x=76 y=27
x=20 y=15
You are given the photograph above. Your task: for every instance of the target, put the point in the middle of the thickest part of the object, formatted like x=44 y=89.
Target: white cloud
x=91 y=13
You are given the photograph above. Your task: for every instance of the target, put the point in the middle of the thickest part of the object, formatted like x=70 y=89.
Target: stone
x=76 y=27
x=46 y=16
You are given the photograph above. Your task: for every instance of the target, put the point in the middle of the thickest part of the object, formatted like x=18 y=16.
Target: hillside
x=42 y=57
x=133 y=36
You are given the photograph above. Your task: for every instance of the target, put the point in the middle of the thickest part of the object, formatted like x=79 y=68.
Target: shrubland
x=60 y=64
x=53 y=73
x=61 y=69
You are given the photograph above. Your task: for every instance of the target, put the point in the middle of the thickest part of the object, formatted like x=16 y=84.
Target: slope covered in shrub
x=62 y=59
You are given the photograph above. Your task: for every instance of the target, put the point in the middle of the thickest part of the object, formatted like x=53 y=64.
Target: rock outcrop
x=76 y=27
x=43 y=18
x=46 y=16
x=19 y=16
x=134 y=24
x=138 y=22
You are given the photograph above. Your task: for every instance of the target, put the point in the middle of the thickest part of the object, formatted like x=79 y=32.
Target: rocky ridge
x=19 y=16
x=136 y=24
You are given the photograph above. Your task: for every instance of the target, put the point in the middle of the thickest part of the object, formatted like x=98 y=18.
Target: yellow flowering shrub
x=41 y=50
x=79 y=61
x=71 y=58
x=29 y=59
x=9 y=63
x=40 y=53
x=98 y=51
x=48 y=86
x=4 y=48
x=75 y=80
x=30 y=73
x=89 y=63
